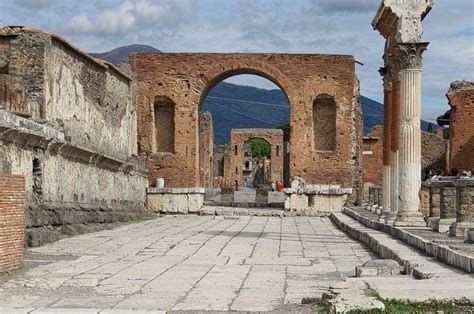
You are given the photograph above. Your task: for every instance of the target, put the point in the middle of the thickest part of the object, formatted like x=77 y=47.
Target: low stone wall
x=70 y=189
x=375 y=195
x=449 y=201
x=315 y=200
x=175 y=200
x=12 y=221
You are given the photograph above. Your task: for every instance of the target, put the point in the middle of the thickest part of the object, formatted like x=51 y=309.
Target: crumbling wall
x=461 y=126
x=187 y=79
x=206 y=152
x=71 y=134
x=238 y=137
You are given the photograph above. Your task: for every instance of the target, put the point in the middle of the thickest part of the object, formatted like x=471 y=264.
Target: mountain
x=120 y=55
x=238 y=107
x=235 y=106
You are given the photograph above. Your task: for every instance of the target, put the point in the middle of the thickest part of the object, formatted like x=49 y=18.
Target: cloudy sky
x=292 y=26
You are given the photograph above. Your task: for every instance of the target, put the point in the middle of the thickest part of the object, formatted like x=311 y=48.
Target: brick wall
x=461 y=127
x=187 y=79
x=372 y=157
x=12 y=221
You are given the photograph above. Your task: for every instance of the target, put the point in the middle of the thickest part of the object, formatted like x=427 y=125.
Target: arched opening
x=245 y=100
x=164 y=109
x=257 y=160
x=324 y=123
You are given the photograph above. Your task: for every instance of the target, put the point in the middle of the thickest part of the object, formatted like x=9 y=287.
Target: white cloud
x=35 y=4
x=303 y=26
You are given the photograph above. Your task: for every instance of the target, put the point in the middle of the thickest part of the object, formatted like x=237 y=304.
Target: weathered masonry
x=68 y=124
x=238 y=137
x=322 y=91
x=461 y=126
x=399 y=22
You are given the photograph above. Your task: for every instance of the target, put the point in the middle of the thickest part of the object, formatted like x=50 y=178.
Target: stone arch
x=225 y=69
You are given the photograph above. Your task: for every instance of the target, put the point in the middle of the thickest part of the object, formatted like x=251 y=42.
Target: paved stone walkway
x=187 y=263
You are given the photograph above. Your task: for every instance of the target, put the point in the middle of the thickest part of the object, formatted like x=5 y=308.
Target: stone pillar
x=394 y=146
x=386 y=181
x=410 y=135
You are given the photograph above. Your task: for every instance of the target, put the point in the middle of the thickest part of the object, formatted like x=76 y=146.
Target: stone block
x=469 y=235
x=155 y=203
x=380 y=267
x=444 y=225
x=457 y=228
x=181 y=203
x=298 y=202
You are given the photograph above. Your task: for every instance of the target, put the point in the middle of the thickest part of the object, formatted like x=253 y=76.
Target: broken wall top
x=402 y=19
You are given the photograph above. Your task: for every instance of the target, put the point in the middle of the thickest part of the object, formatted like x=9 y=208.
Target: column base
x=410 y=219
x=389 y=218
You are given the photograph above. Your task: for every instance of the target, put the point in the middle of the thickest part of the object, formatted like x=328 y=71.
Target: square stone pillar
x=12 y=221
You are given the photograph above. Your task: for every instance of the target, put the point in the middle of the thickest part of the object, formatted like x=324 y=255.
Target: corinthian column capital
x=409 y=55
x=386 y=77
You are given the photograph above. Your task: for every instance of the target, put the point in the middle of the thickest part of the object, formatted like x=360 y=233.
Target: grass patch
x=431 y=306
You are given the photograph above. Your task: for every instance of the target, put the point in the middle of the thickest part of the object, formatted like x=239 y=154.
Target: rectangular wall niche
x=324 y=123
x=164 y=124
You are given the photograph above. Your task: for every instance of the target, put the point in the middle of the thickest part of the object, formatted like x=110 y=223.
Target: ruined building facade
x=322 y=91
x=68 y=124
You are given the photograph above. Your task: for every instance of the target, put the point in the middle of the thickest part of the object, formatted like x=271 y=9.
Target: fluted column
x=410 y=135
x=386 y=182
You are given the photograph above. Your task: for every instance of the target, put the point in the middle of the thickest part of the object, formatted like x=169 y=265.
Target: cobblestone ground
x=187 y=263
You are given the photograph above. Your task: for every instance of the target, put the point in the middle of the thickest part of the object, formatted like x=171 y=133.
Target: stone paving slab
x=245 y=263
x=440 y=281
x=423 y=238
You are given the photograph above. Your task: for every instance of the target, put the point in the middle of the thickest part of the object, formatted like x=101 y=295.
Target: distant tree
x=260 y=147
x=443 y=119
x=430 y=127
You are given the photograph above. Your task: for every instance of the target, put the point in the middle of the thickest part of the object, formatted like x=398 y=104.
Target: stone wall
x=75 y=140
x=12 y=221
x=175 y=200
x=206 y=153
x=188 y=78
x=372 y=151
x=461 y=126
x=433 y=155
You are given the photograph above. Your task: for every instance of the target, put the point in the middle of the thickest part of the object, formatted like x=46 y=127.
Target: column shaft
x=386 y=182
x=410 y=149
x=394 y=146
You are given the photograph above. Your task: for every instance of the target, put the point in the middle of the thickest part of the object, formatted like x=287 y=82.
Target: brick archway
x=187 y=78
x=238 y=138
x=228 y=68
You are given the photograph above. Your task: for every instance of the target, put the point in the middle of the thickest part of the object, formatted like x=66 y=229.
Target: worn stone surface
x=187 y=78
x=206 y=152
x=187 y=263
x=71 y=131
x=447 y=250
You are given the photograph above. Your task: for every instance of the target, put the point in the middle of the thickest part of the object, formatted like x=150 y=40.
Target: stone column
x=386 y=181
x=410 y=135
x=394 y=146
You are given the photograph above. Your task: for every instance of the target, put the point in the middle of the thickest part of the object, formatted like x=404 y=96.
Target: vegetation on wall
x=259 y=148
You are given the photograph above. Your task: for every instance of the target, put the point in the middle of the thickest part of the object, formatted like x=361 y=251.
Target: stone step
x=236 y=211
x=415 y=262
x=442 y=252
x=245 y=205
